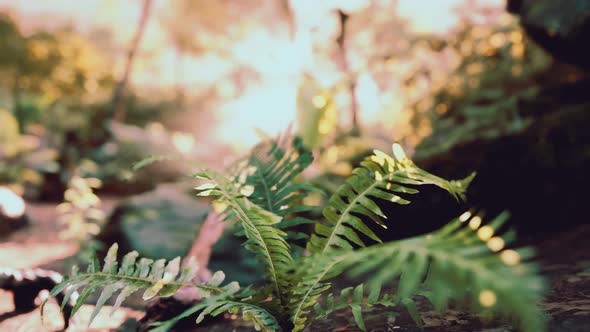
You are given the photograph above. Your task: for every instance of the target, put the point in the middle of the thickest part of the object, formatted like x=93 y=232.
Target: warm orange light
x=497 y=40
x=510 y=257
x=465 y=216
x=485 y=233
x=517 y=50
x=516 y=69
x=441 y=108
x=313 y=199
x=516 y=37
x=487 y=298
x=319 y=101
x=496 y=244
x=219 y=206
x=475 y=222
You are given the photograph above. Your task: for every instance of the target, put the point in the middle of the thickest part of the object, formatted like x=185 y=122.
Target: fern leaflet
x=157 y=278
x=311 y=274
x=355 y=299
x=264 y=240
x=380 y=176
x=276 y=164
x=458 y=263
x=226 y=302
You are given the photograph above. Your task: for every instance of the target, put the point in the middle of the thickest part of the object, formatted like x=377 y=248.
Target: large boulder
x=163 y=223
x=158 y=224
x=238 y=264
x=537 y=170
x=561 y=27
x=530 y=145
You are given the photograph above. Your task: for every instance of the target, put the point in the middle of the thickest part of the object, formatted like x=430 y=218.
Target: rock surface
x=158 y=224
x=561 y=27
x=537 y=172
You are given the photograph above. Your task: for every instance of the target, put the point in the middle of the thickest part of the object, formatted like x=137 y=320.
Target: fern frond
x=262 y=319
x=226 y=302
x=153 y=159
x=264 y=239
x=355 y=299
x=310 y=276
x=462 y=264
x=276 y=165
x=156 y=277
x=208 y=304
x=379 y=177
x=315 y=273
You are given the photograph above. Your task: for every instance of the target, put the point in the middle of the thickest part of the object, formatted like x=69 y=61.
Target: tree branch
x=120 y=91
x=345 y=68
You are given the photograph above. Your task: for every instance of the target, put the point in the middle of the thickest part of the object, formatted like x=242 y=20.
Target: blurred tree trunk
x=290 y=17
x=345 y=68
x=179 y=77
x=120 y=91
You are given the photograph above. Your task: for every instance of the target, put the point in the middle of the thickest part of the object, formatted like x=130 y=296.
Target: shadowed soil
x=565 y=258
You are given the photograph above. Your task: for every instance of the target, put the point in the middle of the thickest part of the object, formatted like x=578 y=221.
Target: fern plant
x=465 y=262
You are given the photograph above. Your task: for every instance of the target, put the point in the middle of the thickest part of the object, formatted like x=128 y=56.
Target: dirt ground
x=565 y=257
x=39 y=245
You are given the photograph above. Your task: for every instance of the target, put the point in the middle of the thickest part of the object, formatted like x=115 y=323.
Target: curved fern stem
x=264 y=239
x=379 y=177
x=257 y=236
x=314 y=270
x=330 y=241
x=458 y=263
x=355 y=299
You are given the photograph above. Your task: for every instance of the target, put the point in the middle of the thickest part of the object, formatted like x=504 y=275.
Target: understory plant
x=465 y=262
x=81 y=216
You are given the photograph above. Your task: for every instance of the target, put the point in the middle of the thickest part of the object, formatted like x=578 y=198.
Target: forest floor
x=39 y=245
x=565 y=261
x=565 y=257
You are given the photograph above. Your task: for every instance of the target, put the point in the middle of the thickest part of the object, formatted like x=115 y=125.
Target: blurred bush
x=55 y=109
x=495 y=62
x=23 y=158
x=81 y=216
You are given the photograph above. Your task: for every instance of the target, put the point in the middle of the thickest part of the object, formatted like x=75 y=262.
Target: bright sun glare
x=12 y=205
x=269 y=103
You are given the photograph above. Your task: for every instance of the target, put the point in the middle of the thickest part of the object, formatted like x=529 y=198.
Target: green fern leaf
x=263 y=238
x=229 y=291
x=276 y=164
x=311 y=274
x=355 y=299
x=454 y=263
x=262 y=319
x=229 y=301
x=145 y=162
x=157 y=278
x=380 y=176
